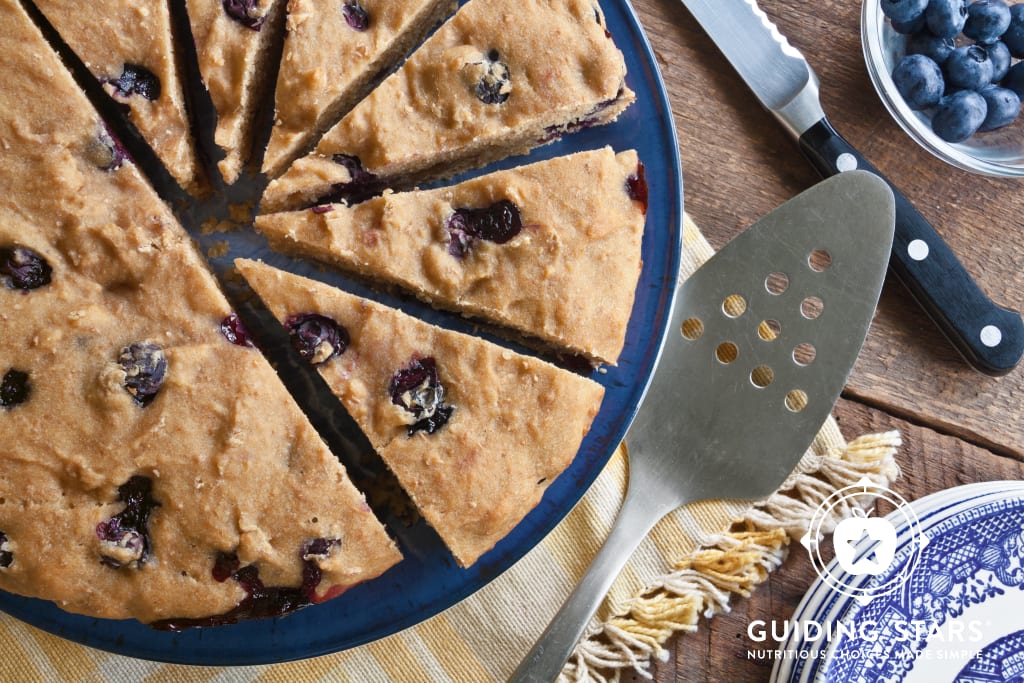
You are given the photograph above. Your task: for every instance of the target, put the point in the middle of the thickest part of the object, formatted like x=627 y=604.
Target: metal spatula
x=761 y=341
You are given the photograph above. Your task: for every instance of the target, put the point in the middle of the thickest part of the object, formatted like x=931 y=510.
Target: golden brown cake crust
x=495 y=79
x=109 y=34
x=568 y=278
x=230 y=461
x=516 y=422
x=328 y=64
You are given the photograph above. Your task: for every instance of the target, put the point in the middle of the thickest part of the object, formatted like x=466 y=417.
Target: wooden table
x=958 y=426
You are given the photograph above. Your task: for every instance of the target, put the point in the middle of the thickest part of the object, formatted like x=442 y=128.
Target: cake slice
x=333 y=52
x=474 y=432
x=234 y=41
x=154 y=465
x=129 y=48
x=551 y=250
x=495 y=80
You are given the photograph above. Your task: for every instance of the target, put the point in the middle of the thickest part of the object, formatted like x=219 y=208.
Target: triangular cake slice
x=551 y=250
x=474 y=432
x=491 y=82
x=155 y=466
x=234 y=41
x=333 y=52
x=129 y=48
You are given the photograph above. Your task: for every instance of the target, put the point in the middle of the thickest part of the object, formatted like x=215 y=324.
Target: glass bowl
x=995 y=153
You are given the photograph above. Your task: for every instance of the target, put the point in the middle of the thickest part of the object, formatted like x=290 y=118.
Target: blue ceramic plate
x=959 y=615
x=427 y=580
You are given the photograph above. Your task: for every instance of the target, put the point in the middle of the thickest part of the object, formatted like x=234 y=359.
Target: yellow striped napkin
x=690 y=566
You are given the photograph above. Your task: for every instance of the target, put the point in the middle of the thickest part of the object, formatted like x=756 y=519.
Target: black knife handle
x=988 y=336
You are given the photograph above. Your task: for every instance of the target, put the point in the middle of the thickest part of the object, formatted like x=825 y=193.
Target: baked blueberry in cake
x=550 y=249
x=474 y=432
x=148 y=444
x=333 y=52
x=130 y=49
x=495 y=80
x=234 y=44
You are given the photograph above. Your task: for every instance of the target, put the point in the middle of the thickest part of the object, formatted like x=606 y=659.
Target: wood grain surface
x=958 y=426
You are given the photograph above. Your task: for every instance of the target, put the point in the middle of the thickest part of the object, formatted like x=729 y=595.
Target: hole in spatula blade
x=819 y=260
x=796 y=400
x=811 y=307
x=804 y=354
x=734 y=305
x=769 y=330
x=693 y=329
x=727 y=352
x=762 y=376
x=776 y=283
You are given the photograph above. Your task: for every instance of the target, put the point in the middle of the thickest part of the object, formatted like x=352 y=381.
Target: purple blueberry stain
x=262 y=601
x=362 y=184
x=636 y=186
x=494 y=84
x=234 y=331
x=124 y=538
x=498 y=223
x=137 y=80
x=14 y=388
x=6 y=556
x=106 y=152
x=23 y=268
x=355 y=15
x=321 y=209
x=316 y=337
x=245 y=12
x=145 y=367
x=418 y=389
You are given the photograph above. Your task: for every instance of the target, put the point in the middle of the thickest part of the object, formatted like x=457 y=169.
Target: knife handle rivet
x=991 y=336
x=846 y=162
x=918 y=250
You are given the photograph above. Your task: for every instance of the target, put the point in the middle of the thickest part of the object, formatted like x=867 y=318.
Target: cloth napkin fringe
x=734 y=562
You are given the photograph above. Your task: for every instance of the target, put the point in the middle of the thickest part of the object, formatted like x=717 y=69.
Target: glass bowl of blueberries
x=951 y=73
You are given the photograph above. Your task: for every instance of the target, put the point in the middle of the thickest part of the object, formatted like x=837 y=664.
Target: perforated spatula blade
x=761 y=341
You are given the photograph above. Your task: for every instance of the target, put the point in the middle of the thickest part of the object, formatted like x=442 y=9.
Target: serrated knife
x=988 y=336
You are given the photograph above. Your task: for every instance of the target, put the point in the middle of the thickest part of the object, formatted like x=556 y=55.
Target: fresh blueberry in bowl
x=969 y=68
x=1003 y=107
x=1001 y=59
x=903 y=10
x=1014 y=34
x=925 y=43
x=946 y=18
x=919 y=80
x=959 y=115
x=986 y=20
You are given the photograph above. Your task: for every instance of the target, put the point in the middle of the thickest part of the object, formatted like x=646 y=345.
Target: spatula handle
x=549 y=654
x=988 y=336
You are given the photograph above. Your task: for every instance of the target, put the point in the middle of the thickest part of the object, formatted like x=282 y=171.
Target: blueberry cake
x=333 y=51
x=496 y=79
x=155 y=468
x=474 y=432
x=234 y=40
x=551 y=250
x=129 y=48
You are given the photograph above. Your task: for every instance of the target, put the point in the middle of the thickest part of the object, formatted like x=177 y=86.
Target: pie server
x=988 y=336
x=760 y=342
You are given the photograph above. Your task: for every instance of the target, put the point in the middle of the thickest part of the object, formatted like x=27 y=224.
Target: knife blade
x=988 y=336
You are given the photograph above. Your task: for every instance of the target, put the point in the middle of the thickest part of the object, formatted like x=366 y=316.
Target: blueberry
x=1000 y=56
x=959 y=115
x=494 y=84
x=969 y=67
x=145 y=366
x=234 y=331
x=361 y=184
x=1003 y=107
x=1014 y=34
x=986 y=20
x=124 y=538
x=14 y=388
x=106 y=152
x=497 y=223
x=919 y=81
x=23 y=268
x=355 y=15
x=907 y=28
x=418 y=389
x=6 y=556
x=316 y=337
x=1014 y=79
x=931 y=46
x=245 y=12
x=137 y=80
x=946 y=18
x=636 y=186
x=903 y=10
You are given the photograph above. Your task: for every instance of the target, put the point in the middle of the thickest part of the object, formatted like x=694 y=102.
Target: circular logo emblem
x=865 y=546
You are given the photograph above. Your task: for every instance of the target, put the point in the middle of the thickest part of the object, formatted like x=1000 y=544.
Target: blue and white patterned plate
x=958 y=617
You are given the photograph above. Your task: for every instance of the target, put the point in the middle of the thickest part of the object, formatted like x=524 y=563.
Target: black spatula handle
x=990 y=337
